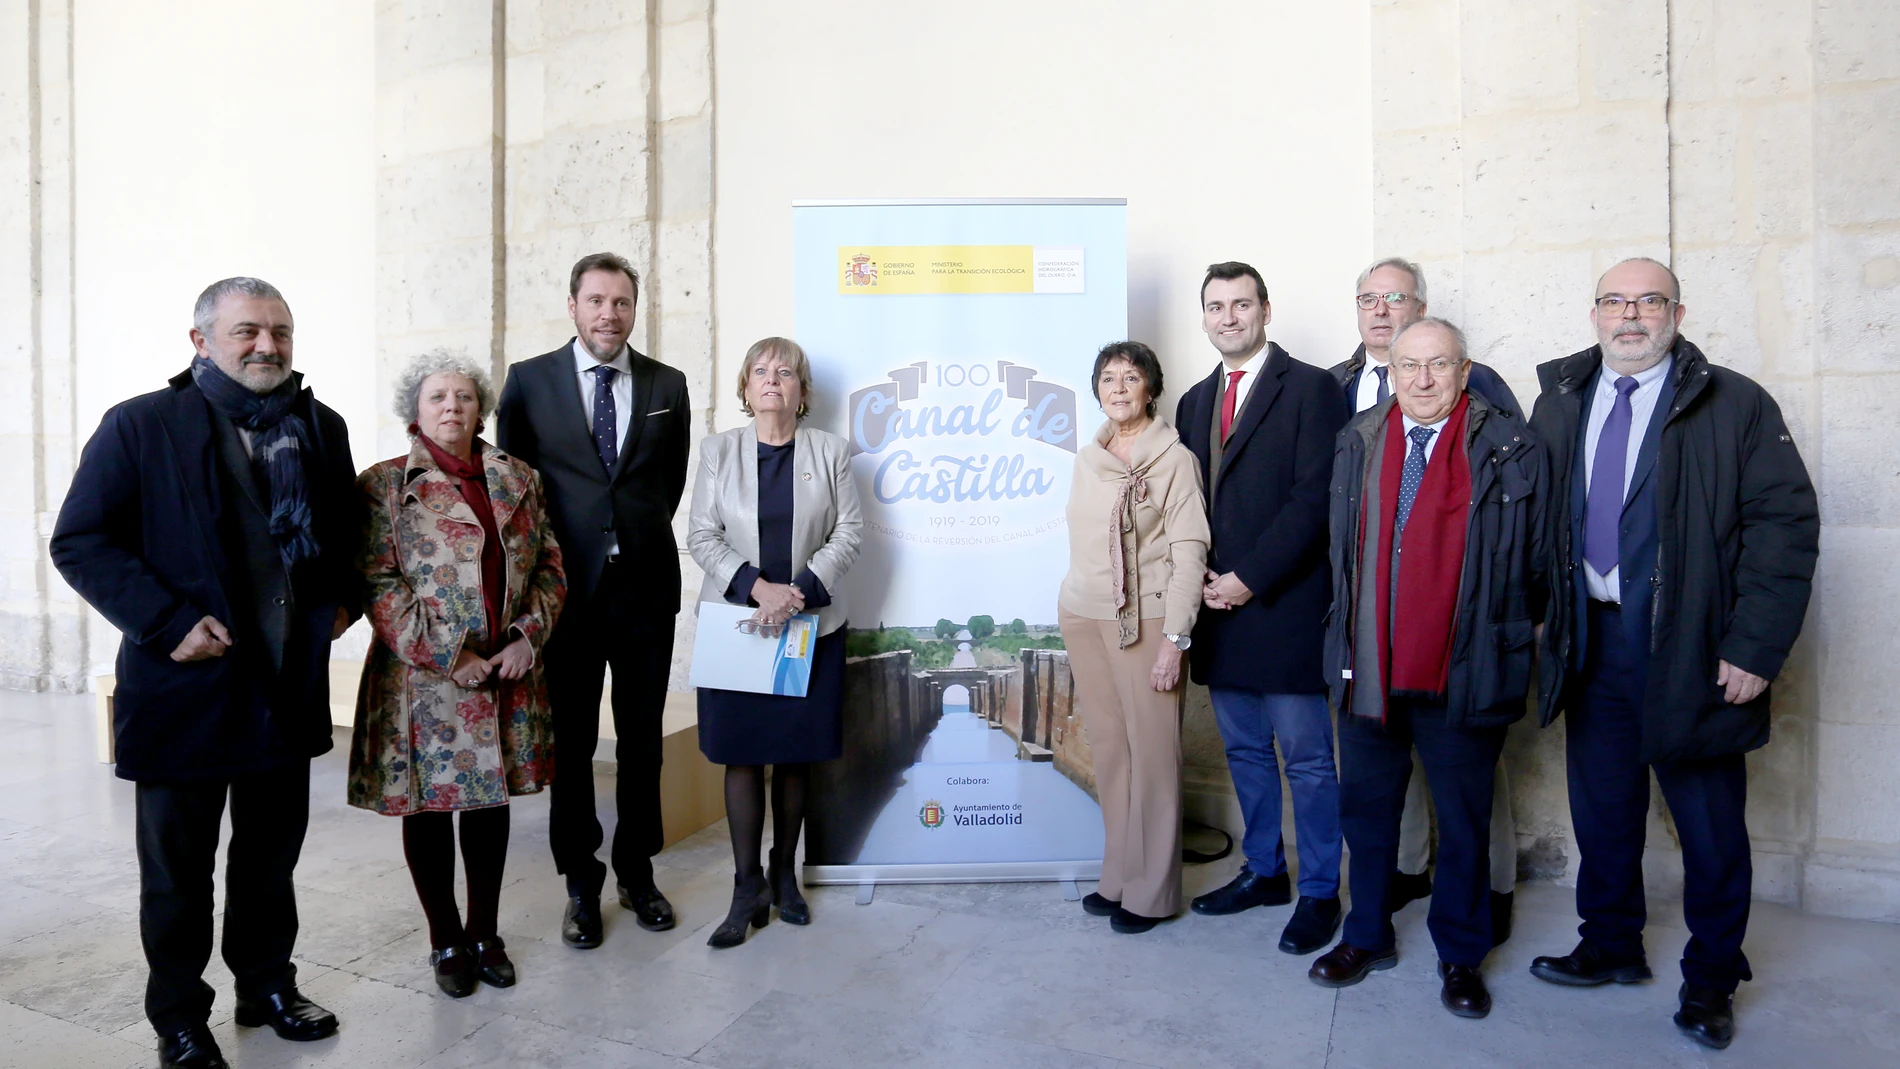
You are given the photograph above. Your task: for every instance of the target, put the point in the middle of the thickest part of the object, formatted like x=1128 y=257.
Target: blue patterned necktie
x=1603 y=508
x=1384 y=392
x=606 y=420
x=1413 y=474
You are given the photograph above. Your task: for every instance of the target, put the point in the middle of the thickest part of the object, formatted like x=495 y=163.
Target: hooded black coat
x=1738 y=531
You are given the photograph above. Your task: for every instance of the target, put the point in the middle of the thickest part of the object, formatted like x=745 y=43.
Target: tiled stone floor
x=954 y=976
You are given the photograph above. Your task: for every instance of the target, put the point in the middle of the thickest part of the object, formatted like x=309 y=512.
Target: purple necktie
x=1603 y=509
x=1383 y=391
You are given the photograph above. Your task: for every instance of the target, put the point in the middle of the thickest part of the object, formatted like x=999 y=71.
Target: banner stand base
x=866 y=877
x=1070 y=893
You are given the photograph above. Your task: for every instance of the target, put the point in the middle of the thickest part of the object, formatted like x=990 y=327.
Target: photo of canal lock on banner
x=951 y=343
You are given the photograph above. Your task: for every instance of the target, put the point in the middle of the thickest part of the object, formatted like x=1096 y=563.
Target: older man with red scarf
x=1437 y=553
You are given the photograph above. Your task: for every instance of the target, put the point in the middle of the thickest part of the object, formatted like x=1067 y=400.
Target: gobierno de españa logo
x=931 y=815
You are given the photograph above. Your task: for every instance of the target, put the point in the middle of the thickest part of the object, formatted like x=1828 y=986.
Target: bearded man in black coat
x=1684 y=531
x=214 y=523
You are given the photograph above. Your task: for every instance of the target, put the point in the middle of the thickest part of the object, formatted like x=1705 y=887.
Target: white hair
x=204 y=315
x=1457 y=336
x=1407 y=266
x=408 y=392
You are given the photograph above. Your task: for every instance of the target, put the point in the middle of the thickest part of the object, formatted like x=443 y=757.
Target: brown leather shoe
x=1346 y=965
x=1464 y=992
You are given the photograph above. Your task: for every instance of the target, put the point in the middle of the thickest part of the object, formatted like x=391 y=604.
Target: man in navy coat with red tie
x=1262 y=426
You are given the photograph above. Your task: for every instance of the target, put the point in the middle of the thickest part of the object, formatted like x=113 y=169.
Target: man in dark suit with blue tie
x=1684 y=538
x=606 y=427
x=1262 y=426
x=1390 y=295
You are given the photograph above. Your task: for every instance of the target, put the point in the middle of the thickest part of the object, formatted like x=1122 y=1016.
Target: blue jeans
x=1250 y=724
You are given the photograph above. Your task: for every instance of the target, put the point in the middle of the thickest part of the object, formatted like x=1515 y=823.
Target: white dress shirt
x=1249 y=372
x=1643 y=400
x=584 y=365
x=1369 y=386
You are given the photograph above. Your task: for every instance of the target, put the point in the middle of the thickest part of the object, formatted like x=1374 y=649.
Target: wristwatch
x=1181 y=642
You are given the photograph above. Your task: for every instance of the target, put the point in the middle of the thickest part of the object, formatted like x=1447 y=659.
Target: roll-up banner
x=951 y=344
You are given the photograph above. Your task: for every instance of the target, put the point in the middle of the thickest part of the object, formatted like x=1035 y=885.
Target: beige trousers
x=1134 y=736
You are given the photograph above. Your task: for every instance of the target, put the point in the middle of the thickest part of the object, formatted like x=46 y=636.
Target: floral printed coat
x=422 y=742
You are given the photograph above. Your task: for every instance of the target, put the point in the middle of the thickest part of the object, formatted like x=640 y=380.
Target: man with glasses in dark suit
x=1683 y=532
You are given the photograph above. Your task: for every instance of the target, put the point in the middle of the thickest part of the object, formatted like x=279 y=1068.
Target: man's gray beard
x=257 y=386
x=1659 y=343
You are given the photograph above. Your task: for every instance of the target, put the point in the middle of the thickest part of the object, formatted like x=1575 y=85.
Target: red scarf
x=1415 y=649
x=473 y=483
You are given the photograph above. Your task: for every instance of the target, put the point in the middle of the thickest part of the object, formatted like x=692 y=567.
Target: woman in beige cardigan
x=1137 y=548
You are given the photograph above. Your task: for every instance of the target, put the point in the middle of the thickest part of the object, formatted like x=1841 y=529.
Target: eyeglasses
x=753 y=627
x=1439 y=367
x=1370 y=301
x=1649 y=304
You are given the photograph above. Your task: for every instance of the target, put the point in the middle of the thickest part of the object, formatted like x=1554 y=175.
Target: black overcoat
x=1738 y=530
x=1268 y=518
x=1500 y=585
x=541 y=421
x=143 y=537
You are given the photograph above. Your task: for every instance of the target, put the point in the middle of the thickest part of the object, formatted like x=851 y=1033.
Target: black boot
x=783 y=876
x=751 y=904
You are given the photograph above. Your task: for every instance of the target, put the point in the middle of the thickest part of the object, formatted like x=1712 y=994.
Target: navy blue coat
x=1268 y=518
x=142 y=536
x=1484 y=381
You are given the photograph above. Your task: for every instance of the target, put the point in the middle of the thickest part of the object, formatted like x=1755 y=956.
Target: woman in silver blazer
x=775 y=524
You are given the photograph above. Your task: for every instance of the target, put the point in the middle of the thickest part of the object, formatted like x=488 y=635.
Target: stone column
x=440 y=127
x=1854 y=865
x=43 y=625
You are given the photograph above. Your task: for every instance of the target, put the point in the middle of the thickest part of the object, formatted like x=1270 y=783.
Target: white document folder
x=727 y=658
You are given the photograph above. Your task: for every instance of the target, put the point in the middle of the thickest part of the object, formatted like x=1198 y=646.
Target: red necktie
x=1227 y=404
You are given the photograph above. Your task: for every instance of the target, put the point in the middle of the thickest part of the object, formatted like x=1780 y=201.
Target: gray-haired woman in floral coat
x=465 y=583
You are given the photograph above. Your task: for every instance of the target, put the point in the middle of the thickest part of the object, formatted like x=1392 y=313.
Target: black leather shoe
x=1587 y=966
x=792 y=907
x=1245 y=891
x=290 y=1015
x=1346 y=965
x=1501 y=910
x=1707 y=1016
x=1406 y=887
x=455 y=971
x=751 y=908
x=1131 y=923
x=1312 y=927
x=1096 y=906
x=1464 y=992
x=580 y=925
x=192 y=1048
x=491 y=961
x=648 y=906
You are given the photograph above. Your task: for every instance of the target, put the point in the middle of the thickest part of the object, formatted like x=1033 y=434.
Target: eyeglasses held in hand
x=753 y=627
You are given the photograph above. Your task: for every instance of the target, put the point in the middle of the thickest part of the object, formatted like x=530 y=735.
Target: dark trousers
x=1375 y=765
x=1609 y=807
x=609 y=628
x=178 y=826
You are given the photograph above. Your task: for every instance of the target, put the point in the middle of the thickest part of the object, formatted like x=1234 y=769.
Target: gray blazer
x=827 y=524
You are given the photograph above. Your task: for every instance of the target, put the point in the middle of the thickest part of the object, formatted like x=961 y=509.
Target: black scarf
x=280 y=439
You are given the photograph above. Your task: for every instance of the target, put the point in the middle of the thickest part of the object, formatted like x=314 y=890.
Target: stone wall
x=1521 y=147
x=43 y=626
